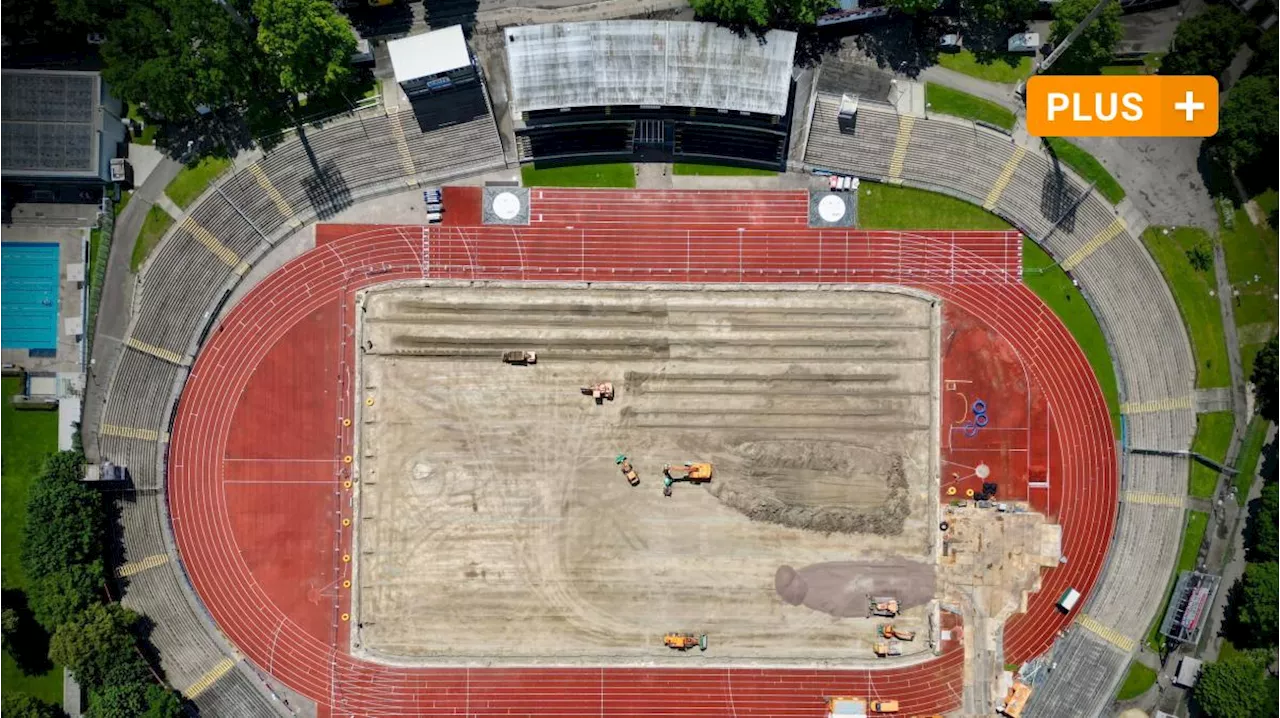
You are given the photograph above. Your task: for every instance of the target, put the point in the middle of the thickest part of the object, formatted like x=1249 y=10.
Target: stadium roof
x=50 y=123
x=429 y=54
x=648 y=62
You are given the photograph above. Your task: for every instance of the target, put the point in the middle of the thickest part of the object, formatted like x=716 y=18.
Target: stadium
x=343 y=502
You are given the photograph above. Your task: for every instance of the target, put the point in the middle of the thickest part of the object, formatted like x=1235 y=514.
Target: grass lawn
x=153 y=228
x=1192 y=535
x=1247 y=460
x=148 y=136
x=1087 y=167
x=1251 y=253
x=95 y=238
x=884 y=206
x=194 y=179
x=619 y=174
x=25 y=438
x=1213 y=437
x=947 y=101
x=687 y=168
x=1006 y=68
x=124 y=201
x=1138 y=69
x=1136 y=682
x=1191 y=287
x=1051 y=284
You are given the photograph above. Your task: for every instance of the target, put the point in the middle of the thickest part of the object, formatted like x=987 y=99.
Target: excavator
x=628 y=471
x=685 y=641
x=600 y=392
x=888 y=631
x=692 y=472
x=882 y=606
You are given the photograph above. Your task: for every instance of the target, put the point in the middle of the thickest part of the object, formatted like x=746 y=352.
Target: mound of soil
x=841 y=588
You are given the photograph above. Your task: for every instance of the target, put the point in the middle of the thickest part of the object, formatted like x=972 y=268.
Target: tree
x=57 y=598
x=1253 y=611
x=1264 y=376
x=98 y=646
x=163 y=703
x=65 y=519
x=1200 y=257
x=762 y=13
x=1234 y=686
x=1204 y=44
x=21 y=705
x=1261 y=533
x=914 y=7
x=137 y=700
x=307 y=44
x=9 y=623
x=1092 y=48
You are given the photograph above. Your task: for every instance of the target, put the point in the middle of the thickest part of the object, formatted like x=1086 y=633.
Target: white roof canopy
x=430 y=53
x=648 y=62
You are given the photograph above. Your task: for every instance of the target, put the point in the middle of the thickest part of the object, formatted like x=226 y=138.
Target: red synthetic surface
x=256 y=463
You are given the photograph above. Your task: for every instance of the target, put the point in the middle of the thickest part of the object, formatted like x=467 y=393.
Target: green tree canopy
x=307 y=44
x=60 y=596
x=997 y=13
x=1204 y=44
x=1093 y=48
x=1261 y=534
x=21 y=705
x=1266 y=365
x=1253 y=614
x=762 y=13
x=64 y=519
x=914 y=7
x=138 y=700
x=98 y=646
x=1234 y=686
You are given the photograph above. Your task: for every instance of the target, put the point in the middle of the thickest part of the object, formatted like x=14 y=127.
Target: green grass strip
x=1252 y=260
x=619 y=174
x=1137 y=681
x=1255 y=438
x=1088 y=167
x=699 y=170
x=1191 y=290
x=1192 y=536
x=1007 y=68
x=193 y=180
x=947 y=101
x=1213 y=437
x=153 y=228
x=885 y=206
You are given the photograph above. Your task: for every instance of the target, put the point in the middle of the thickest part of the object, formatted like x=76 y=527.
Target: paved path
x=997 y=92
x=117 y=297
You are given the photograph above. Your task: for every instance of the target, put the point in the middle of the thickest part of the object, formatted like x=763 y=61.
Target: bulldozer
x=600 y=392
x=882 y=606
x=694 y=472
x=685 y=641
x=887 y=630
x=887 y=648
x=628 y=471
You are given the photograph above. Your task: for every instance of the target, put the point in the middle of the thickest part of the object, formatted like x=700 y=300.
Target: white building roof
x=648 y=62
x=430 y=53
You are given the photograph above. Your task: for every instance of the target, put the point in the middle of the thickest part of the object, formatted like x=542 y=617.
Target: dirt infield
x=493 y=521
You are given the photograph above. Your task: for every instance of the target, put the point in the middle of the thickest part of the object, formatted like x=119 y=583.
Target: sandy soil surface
x=495 y=527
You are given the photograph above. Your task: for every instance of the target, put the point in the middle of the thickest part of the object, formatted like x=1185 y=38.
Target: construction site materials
x=887 y=648
x=1015 y=701
x=882 y=606
x=685 y=641
x=628 y=470
x=846 y=707
x=520 y=357
x=600 y=392
x=884 y=706
x=688 y=472
x=887 y=630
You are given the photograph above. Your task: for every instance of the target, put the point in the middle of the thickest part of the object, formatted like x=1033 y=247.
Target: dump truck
x=519 y=357
x=695 y=472
x=1015 y=701
x=887 y=630
x=884 y=706
x=600 y=392
x=846 y=707
x=629 y=471
x=685 y=641
x=882 y=606
x=887 y=648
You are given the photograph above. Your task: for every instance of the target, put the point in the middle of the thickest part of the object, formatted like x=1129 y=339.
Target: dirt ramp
x=841 y=588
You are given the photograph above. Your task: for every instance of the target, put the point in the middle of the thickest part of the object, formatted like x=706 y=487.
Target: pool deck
x=73 y=244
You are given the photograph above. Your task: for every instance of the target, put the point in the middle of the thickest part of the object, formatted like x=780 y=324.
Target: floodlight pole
x=1071 y=37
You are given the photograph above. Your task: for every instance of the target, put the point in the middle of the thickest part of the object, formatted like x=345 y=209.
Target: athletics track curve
x=976 y=272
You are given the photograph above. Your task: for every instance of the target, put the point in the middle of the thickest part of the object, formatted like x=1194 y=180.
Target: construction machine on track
x=600 y=392
x=887 y=631
x=685 y=641
x=694 y=472
x=882 y=606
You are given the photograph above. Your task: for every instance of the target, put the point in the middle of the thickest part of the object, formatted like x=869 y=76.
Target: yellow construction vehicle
x=629 y=471
x=887 y=648
x=685 y=641
x=887 y=630
x=1016 y=700
x=884 y=706
x=882 y=606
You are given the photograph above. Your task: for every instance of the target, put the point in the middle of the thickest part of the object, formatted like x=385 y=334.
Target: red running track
x=256 y=480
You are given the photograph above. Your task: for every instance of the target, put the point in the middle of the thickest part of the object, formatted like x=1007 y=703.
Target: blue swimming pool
x=29 y=296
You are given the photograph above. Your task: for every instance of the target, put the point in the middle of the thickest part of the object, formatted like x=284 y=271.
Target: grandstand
x=650 y=91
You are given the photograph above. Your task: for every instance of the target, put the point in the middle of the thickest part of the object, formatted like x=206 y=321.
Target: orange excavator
x=685 y=641
x=692 y=472
x=882 y=606
x=887 y=631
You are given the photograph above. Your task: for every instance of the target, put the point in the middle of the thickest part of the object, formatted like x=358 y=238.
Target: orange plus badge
x=1117 y=106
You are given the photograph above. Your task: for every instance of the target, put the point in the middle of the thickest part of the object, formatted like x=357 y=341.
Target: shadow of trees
x=28 y=643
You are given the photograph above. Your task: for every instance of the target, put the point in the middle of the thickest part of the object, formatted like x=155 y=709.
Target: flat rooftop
x=430 y=53
x=648 y=62
x=50 y=123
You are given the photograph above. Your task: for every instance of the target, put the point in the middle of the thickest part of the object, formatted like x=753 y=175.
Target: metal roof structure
x=50 y=123
x=430 y=53
x=648 y=62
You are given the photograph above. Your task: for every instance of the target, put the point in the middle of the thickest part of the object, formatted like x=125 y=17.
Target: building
x=433 y=62
x=641 y=90
x=1188 y=672
x=61 y=129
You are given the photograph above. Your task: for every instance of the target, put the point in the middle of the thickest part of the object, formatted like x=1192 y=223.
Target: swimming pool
x=29 y=296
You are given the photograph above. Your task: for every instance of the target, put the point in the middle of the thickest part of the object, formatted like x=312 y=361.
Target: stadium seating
x=315 y=174
x=1087 y=671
